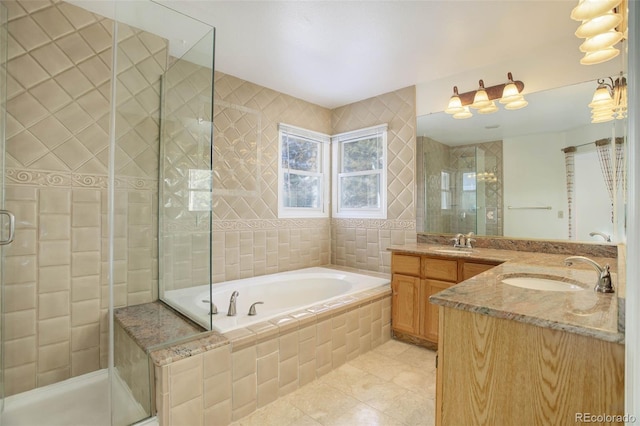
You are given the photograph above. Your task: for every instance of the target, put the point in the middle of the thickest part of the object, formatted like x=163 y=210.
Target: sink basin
x=452 y=251
x=541 y=283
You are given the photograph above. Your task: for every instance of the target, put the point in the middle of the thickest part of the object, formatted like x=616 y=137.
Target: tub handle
x=213 y=309
x=252 y=309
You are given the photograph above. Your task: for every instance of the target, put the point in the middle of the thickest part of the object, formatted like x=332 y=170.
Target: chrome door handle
x=12 y=227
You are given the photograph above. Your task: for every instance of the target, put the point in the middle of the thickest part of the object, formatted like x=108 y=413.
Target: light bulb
x=481 y=99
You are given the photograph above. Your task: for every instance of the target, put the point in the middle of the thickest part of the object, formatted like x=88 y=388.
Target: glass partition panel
x=185 y=188
x=161 y=141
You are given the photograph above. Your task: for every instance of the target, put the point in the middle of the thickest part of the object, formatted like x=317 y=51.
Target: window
x=303 y=173
x=199 y=190
x=360 y=173
x=445 y=190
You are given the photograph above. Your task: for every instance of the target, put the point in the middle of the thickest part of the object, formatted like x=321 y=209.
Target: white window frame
x=337 y=142
x=323 y=173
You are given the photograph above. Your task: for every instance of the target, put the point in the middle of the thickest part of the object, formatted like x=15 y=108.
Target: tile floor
x=393 y=384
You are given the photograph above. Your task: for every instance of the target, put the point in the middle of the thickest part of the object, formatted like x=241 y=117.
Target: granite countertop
x=583 y=312
x=163 y=333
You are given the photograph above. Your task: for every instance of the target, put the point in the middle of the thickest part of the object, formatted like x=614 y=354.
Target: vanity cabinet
x=414 y=279
x=496 y=371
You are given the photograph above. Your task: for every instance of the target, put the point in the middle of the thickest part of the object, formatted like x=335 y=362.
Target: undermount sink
x=452 y=251
x=542 y=283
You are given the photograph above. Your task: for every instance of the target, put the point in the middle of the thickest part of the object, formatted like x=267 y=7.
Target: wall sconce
x=604 y=23
x=483 y=99
x=609 y=100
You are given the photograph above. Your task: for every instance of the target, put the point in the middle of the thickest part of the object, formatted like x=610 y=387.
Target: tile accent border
x=75 y=180
x=266 y=224
x=375 y=223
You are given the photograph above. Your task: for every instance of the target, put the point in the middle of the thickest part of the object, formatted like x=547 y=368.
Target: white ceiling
x=333 y=53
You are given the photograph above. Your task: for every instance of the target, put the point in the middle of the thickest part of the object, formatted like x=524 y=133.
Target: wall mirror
x=506 y=174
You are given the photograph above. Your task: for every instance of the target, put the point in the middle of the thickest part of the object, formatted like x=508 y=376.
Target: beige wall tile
x=20 y=269
x=219 y=414
x=53 y=253
x=267 y=368
x=19 y=297
x=53 y=357
x=244 y=396
x=217 y=389
x=267 y=392
x=19 y=324
x=51 y=305
x=85 y=312
x=58 y=278
x=85 y=361
x=54 y=330
x=19 y=379
x=188 y=413
x=243 y=363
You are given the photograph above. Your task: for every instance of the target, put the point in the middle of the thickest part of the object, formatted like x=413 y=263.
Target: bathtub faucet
x=232 y=304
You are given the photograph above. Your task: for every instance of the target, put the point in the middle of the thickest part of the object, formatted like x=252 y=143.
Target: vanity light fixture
x=509 y=94
x=609 y=100
x=604 y=24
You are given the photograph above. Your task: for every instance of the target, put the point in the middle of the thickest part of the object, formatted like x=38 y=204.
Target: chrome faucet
x=213 y=309
x=463 y=241
x=606 y=237
x=232 y=304
x=252 y=308
x=604 y=284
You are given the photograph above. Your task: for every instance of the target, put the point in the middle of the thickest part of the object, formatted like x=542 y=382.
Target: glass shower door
x=6 y=217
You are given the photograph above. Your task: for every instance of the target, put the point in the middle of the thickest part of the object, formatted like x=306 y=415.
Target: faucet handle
x=252 y=309
x=604 y=282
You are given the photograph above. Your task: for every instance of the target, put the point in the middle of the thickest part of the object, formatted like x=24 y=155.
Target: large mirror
x=507 y=173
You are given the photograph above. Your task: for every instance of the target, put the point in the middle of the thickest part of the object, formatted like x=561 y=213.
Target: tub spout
x=252 y=309
x=213 y=309
x=232 y=304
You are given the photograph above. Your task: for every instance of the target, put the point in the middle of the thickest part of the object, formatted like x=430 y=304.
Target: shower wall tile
x=58 y=105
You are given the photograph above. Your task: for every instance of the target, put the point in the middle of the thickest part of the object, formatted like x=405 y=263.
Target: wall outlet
x=560 y=214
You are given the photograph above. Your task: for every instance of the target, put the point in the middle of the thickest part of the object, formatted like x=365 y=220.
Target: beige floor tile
x=280 y=412
x=413 y=409
x=322 y=402
x=364 y=415
x=394 y=384
x=364 y=386
x=392 y=348
x=419 y=357
x=379 y=365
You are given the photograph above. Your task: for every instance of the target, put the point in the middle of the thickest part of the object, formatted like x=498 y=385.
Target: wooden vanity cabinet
x=405 y=290
x=496 y=371
x=414 y=279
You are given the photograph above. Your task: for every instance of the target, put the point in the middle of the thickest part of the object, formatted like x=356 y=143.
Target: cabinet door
x=404 y=303
x=471 y=269
x=429 y=323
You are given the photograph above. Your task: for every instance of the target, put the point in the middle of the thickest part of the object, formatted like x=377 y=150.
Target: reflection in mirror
x=511 y=174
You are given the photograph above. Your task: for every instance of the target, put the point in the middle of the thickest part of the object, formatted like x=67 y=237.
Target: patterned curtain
x=569 y=161
x=606 y=166
x=621 y=172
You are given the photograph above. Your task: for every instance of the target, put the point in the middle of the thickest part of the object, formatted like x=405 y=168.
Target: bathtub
x=281 y=293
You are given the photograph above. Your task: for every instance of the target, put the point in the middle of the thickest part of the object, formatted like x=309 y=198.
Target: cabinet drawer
x=440 y=269
x=405 y=264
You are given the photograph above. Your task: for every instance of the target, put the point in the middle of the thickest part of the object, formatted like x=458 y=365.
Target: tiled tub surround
x=486 y=294
x=217 y=378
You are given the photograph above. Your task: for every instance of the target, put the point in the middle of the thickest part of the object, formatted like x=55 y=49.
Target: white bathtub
x=282 y=293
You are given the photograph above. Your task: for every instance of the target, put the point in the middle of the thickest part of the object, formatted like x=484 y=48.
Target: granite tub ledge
x=583 y=312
